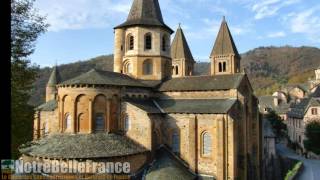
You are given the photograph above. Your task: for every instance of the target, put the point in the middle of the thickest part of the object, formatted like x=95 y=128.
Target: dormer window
x=148 y=41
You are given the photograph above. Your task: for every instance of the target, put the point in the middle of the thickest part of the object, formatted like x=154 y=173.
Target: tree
x=26 y=26
x=277 y=124
x=312 y=133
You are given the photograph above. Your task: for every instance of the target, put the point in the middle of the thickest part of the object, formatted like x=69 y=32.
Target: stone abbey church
x=151 y=111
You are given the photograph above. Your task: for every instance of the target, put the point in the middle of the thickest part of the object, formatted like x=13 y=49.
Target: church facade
x=151 y=111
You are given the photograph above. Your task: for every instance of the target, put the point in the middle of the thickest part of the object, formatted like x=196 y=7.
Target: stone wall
x=45 y=122
x=232 y=93
x=140 y=125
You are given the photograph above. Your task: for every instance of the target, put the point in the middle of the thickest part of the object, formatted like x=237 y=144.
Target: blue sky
x=82 y=29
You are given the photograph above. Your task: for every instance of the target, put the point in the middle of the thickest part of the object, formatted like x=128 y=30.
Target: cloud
x=276 y=34
x=81 y=14
x=306 y=22
x=267 y=8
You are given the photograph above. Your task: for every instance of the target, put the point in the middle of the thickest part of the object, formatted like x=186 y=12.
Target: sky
x=83 y=29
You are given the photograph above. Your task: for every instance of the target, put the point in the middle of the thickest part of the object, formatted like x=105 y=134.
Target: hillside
x=268 y=68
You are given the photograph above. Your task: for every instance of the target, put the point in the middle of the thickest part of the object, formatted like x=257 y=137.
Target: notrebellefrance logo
x=7 y=166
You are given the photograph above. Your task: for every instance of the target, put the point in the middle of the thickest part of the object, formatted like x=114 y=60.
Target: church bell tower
x=224 y=57
x=142 y=43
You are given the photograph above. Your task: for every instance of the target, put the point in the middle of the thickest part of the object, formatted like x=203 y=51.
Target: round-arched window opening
x=68 y=121
x=175 y=142
x=99 y=122
x=206 y=144
x=126 y=123
x=148 y=41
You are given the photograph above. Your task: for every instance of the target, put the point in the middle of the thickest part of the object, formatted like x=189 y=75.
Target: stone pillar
x=73 y=114
x=90 y=116
x=108 y=124
x=220 y=149
x=61 y=122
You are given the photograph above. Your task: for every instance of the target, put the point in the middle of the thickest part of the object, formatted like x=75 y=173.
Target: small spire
x=54 y=77
x=223 y=18
x=179 y=26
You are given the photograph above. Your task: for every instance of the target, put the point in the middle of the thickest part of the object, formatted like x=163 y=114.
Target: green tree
x=312 y=134
x=26 y=26
x=277 y=124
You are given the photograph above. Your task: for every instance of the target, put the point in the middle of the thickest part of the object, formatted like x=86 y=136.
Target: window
x=99 y=122
x=206 y=144
x=126 y=123
x=175 y=142
x=67 y=121
x=130 y=42
x=46 y=128
x=220 y=67
x=147 y=67
x=177 y=70
x=224 y=67
x=314 y=111
x=164 y=43
x=148 y=41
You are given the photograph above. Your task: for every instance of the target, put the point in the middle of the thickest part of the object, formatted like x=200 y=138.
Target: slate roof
x=144 y=104
x=48 y=106
x=267 y=102
x=168 y=167
x=298 y=110
x=99 y=77
x=81 y=146
x=146 y=13
x=316 y=93
x=224 y=43
x=202 y=106
x=151 y=83
x=179 y=47
x=203 y=83
x=55 y=77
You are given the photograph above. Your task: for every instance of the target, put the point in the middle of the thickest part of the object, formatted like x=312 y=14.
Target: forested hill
x=268 y=68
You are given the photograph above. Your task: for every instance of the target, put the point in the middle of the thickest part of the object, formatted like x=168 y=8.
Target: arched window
x=130 y=41
x=224 y=68
x=67 y=121
x=220 y=67
x=206 y=144
x=175 y=142
x=177 y=70
x=46 y=128
x=126 y=123
x=148 y=41
x=164 y=43
x=99 y=122
x=147 y=67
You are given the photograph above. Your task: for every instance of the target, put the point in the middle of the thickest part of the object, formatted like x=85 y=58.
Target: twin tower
x=143 y=48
